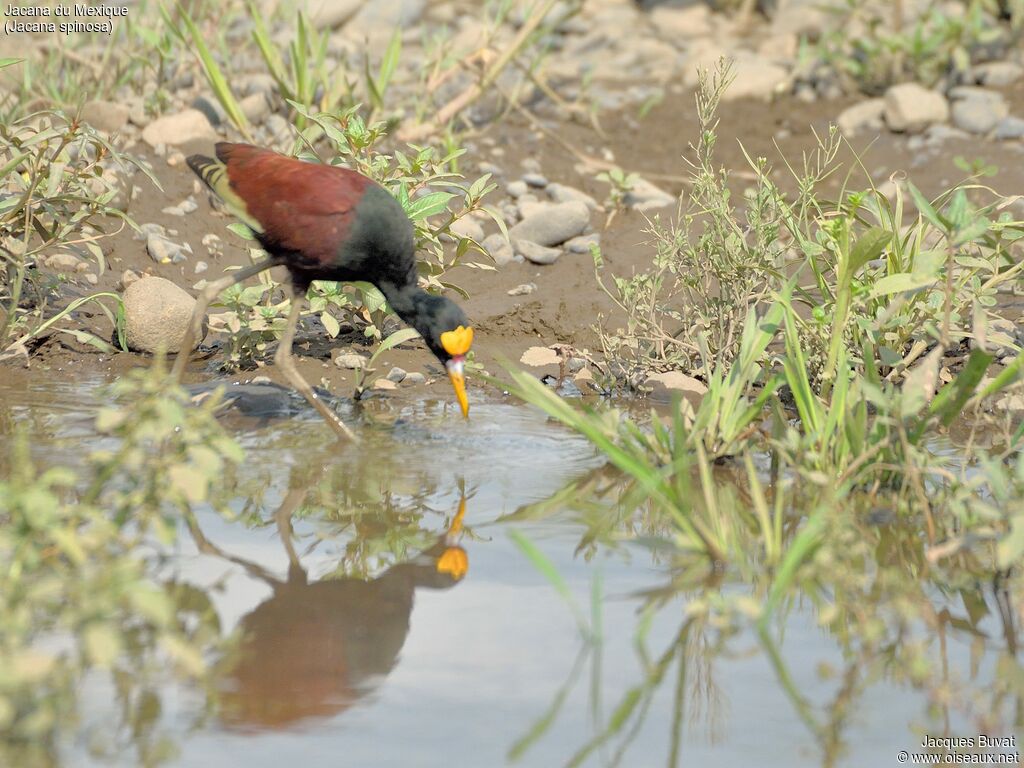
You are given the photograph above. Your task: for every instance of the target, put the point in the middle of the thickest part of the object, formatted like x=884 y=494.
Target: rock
x=538 y=254
x=181 y=209
x=674 y=23
x=537 y=180
x=666 y=385
x=1010 y=402
x=384 y=384
x=755 y=77
x=940 y=132
x=468 y=227
x=377 y=21
x=529 y=205
x=15 y=355
x=867 y=115
x=257 y=82
x=397 y=375
x=213 y=244
x=327 y=14
x=164 y=251
x=553 y=224
x=977 y=110
x=255 y=107
x=127 y=278
x=910 y=108
x=65 y=262
x=211 y=109
x=106 y=116
x=201 y=267
x=538 y=357
x=644 y=196
x=92 y=279
x=561 y=193
x=413 y=379
x=517 y=188
x=156 y=313
x=350 y=360
x=190 y=125
x=998 y=73
x=582 y=243
x=525 y=289
x=1010 y=128
x=499 y=249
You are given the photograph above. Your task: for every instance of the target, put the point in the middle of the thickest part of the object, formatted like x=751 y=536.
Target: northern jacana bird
x=323 y=222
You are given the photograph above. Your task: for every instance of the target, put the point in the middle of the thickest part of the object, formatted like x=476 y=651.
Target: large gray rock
x=910 y=108
x=1010 y=128
x=180 y=128
x=157 y=313
x=977 y=110
x=552 y=223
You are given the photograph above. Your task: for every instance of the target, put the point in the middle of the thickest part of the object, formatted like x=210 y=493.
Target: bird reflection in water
x=313 y=649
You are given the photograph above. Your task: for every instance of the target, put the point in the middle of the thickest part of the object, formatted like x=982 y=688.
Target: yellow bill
x=458 y=378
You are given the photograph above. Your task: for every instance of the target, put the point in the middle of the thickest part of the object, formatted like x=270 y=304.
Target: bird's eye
x=457 y=342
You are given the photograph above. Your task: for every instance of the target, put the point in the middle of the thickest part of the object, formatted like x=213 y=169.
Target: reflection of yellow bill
x=453 y=561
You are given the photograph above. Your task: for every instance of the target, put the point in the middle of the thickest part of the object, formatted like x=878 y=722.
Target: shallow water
x=357 y=649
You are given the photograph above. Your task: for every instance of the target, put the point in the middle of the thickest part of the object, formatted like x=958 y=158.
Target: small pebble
x=525 y=289
x=516 y=188
x=396 y=375
x=201 y=266
x=535 y=180
x=384 y=384
x=414 y=378
x=538 y=254
x=350 y=360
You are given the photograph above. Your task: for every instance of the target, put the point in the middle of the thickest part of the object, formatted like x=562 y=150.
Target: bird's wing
x=300 y=207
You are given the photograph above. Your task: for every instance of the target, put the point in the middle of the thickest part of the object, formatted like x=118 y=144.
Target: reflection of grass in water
x=865 y=574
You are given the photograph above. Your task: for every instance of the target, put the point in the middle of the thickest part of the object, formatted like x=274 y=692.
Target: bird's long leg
x=208 y=294
x=283 y=360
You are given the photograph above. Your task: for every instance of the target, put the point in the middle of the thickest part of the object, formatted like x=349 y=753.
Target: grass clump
x=60 y=188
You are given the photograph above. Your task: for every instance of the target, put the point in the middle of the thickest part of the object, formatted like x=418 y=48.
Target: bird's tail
x=214 y=174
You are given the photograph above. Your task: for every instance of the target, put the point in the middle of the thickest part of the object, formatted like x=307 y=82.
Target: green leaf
x=901 y=283
x=951 y=398
x=926 y=209
x=868 y=247
x=428 y=205
x=330 y=324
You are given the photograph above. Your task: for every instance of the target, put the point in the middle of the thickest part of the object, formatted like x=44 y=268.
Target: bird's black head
x=444 y=328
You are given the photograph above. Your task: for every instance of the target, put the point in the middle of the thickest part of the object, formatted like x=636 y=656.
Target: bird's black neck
x=411 y=303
